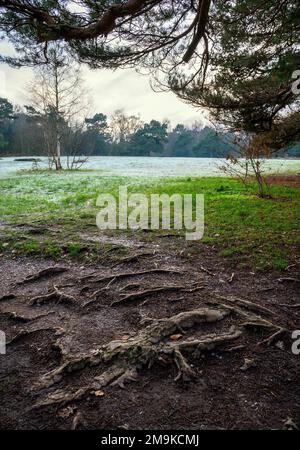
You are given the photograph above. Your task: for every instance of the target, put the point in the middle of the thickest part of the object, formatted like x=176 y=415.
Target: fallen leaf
x=176 y=337
x=248 y=363
x=99 y=393
x=125 y=337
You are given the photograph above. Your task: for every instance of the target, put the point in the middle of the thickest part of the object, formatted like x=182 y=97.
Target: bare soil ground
x=162 y=339
x=285 y=180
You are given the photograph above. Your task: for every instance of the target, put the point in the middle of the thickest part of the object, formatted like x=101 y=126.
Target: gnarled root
x=149 y=292
x=138 y=349
x=122 y=275
x=251 y=319
x=24 y=333
x=150 y=344
x=243 y=303
x=56 y=295
x=122 y=359
x=12 y=315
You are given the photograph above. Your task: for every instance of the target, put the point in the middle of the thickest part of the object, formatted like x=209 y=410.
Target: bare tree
x=58 y=94
x=122 y=126
x=247 y=161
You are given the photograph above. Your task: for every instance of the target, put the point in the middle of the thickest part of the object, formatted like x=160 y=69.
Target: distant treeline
x=23 y=132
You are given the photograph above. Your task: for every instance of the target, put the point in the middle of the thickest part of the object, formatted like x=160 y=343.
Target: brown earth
x=284 y=180
x=245 y=382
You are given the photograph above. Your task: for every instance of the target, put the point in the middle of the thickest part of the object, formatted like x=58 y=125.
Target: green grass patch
x=236 y=220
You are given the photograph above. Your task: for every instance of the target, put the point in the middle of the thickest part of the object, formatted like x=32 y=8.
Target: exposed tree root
x=128 y=375
x=132 y=358
x=286 y=305
x=130 y=286
x=118 y=276
x=65 y=285
x=90 y=275
x=140 y=294
x=25 y=333
x=12 y=315
x=123 y=359
x=253 y=320
x=104 y=288
x=56 y=296
x=150 y=344
x=77 y=420
x=7 y=297
x=207 y=271
x=289 y=279
x=244 y=303
x=62 y=398
x=157 y=330
x=148 y=292
x=132 y=258
x=49 y=271
x=274 y=336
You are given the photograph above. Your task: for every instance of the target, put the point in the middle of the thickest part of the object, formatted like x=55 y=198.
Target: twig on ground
x=207 y=271
x=286 y=305
x=230 y=280
x=288 y=279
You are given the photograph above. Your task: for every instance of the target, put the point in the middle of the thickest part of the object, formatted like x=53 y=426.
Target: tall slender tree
x=57 y=93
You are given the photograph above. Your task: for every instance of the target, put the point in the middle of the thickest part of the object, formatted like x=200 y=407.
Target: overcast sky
x=108 y=90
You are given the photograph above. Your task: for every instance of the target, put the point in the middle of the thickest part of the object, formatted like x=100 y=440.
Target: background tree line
x=22 y=133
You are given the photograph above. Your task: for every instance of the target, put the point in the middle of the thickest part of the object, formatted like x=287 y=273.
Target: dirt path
x=157 y=340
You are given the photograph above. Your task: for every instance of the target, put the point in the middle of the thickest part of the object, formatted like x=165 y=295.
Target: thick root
x=152 y=344
x=243 y=303
x=62 y=398
x=142 y=349
x=253 y=320
x=121 y=275
x=49 y=271
x=24 y=333
x=132 y=258
x=138 y=295
x=12 y=315
x=56 y=296
x=147 y=293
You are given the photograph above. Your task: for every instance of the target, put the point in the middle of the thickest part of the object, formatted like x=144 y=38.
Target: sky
x=108 y=91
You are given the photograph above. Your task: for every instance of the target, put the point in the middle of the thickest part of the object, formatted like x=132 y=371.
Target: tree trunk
x=58 y=155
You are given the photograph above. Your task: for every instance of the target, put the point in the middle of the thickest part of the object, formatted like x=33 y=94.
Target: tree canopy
x=107 y=33
x=252 y=66
x=236 y=58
